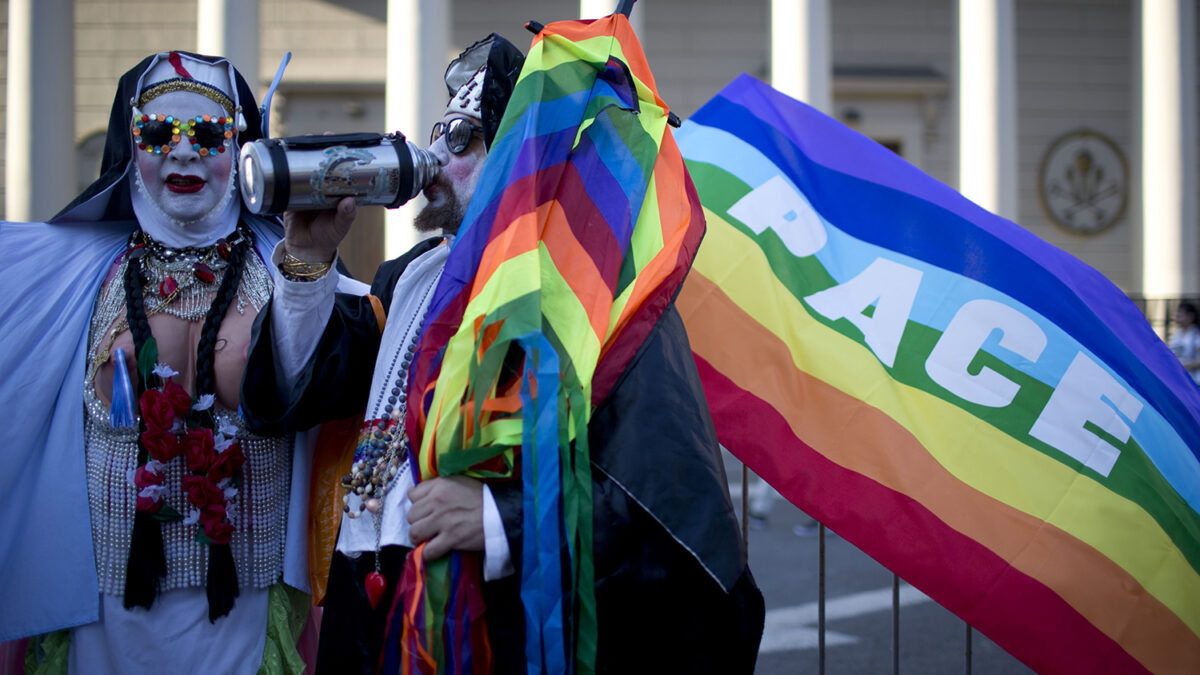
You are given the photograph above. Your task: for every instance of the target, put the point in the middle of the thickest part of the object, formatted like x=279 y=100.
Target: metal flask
x=305 y=173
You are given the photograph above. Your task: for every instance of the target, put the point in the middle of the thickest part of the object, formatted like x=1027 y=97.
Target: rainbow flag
x=583 y=227
x=982 y=413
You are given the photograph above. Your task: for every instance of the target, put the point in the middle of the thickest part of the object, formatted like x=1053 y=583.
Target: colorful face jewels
x=458 y=133
x=159 y=134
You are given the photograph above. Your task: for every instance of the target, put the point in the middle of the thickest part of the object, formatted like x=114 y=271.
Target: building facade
x=1075 y=118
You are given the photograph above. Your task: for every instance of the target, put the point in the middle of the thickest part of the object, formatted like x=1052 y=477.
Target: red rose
x=213 y=513
x=157 y=411
x=201 y=491
x=220 y=532
x=150 y=504
x=143 y=477
x=160 y=444
x=198 y=449
x=181 y=401
x=227 y=463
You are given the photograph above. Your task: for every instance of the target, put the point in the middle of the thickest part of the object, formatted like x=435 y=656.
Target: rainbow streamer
x=982 y=413
x=582 y=229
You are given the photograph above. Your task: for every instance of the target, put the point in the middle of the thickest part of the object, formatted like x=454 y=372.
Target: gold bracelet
x=296 y=269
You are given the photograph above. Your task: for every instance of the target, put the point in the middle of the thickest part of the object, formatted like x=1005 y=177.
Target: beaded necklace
x=383 y=448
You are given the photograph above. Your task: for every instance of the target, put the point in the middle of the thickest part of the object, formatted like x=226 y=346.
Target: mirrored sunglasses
x=458 y=133
x=159 y=133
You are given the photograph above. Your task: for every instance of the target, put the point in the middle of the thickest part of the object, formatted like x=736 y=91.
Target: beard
x=446 y=217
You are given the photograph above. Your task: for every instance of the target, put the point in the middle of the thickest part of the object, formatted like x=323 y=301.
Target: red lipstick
x=181 y=184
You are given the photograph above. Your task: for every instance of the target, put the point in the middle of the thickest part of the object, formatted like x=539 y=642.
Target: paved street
x=858 y=609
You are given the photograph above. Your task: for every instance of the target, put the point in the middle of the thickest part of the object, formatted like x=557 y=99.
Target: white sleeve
x=299 y=312
x=497 y=559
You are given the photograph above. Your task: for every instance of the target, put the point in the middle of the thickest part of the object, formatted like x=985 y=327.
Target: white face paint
x=182 y=184
x=462 y=170
x=451 y=191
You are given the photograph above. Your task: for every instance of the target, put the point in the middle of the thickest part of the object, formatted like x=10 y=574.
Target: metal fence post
x=895 y=624
x=821 y=599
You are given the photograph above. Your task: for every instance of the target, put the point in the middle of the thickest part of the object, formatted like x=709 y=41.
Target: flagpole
x=625 y=7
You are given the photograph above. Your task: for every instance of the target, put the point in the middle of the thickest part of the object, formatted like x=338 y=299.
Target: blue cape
x=49 y=278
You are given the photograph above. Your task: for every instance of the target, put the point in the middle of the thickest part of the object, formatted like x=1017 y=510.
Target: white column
x=418 y=50
x=229 y=28
x=1170 y=233
x=801 y=55
x=39 y=159
x=987 y=104
x=594 y=9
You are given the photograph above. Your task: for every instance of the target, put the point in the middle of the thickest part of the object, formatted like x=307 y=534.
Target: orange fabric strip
x=332 y=459
x=380 y=314
x=507 y=404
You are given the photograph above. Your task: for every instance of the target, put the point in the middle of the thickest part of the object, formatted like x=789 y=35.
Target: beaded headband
x=182 y=84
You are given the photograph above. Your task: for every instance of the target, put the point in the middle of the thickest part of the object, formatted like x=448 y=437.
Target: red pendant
x=376 y=585
x=167 y=287
x=223 y=248
x=203 y=272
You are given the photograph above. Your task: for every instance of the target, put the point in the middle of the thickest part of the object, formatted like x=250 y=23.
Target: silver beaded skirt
x=258 y=512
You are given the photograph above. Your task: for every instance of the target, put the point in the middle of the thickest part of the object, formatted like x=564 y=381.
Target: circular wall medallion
x=1083 y=182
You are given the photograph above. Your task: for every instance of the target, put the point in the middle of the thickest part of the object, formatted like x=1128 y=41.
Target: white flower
x=204 y=403
x=225 y=437
x=177 y=427
x=226 y=486
x=153 y=491
x=164 y=371
x=153 y=466
x=193 y=517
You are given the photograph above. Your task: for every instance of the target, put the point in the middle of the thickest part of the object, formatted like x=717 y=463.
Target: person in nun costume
x=143 y=527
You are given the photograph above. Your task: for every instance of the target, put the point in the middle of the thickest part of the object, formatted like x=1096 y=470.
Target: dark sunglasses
x=159 y=134
x=458 y=133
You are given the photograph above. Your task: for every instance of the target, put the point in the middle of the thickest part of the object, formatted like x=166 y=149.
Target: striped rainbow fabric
x=583 y=227
x=982 y=413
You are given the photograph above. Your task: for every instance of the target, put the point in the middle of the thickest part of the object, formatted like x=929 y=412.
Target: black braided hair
x=220 y=582
x=206 y=348
x=146 y=563
x=135 y=316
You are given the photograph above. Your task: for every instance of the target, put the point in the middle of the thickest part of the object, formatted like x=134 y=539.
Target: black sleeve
x=336 y=381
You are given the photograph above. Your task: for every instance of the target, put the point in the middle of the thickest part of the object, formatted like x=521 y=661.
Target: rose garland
x=177 y=425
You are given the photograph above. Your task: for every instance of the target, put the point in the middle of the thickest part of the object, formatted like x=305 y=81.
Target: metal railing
x=1160 y=312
